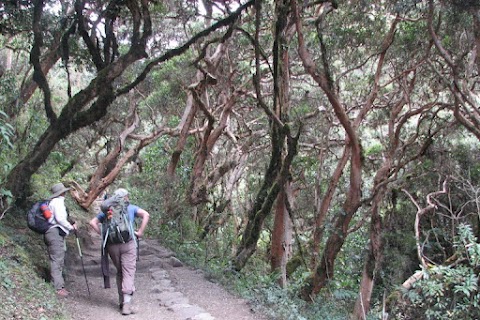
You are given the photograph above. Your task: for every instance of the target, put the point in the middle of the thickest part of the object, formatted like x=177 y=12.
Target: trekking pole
x=138 y=248
x=137 y=240
x=83 y=265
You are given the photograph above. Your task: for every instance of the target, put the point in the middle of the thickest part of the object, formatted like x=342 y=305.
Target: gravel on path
x=166 y=289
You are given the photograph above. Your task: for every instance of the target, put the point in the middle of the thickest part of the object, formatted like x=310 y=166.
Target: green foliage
x=33 y=122
x=280 y=303
x=400 y=258
x=58 y=160
x=374 y=150
x=6 y=132
x=284 y=303
x=428 y=164
x=6 y=147
x=8 y=89
x=450 y=291
x=407 y=34
x=465 y=155
x=41 y=184
x=24 y=294
x=347 y=273
x=155 y=157
x=167 y=87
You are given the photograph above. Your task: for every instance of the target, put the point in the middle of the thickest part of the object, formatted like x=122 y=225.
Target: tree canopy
x=339 y=139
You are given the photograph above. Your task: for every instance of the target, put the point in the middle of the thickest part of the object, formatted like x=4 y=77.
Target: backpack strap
x=106 y=233
x=130 y=226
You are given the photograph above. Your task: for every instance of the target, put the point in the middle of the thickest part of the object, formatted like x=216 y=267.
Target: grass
x=24 y=293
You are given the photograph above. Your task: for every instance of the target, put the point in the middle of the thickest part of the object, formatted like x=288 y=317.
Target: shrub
x=451 y=290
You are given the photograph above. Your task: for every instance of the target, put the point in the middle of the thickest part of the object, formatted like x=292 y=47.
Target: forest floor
x=166 y=289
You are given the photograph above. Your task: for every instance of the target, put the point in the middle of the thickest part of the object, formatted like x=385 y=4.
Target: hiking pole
x=137 y=240
x=138 y=248
x=83 y=265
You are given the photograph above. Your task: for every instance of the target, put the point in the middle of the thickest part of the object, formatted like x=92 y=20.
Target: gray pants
x=56 y=252
x=124 y=257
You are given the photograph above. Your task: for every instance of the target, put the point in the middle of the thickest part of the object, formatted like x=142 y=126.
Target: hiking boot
x=62 y=293
x=127 y=309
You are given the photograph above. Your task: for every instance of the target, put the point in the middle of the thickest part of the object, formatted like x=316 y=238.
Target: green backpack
x=116 y=228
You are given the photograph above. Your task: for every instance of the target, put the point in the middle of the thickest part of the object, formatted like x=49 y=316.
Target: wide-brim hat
x=58 y=189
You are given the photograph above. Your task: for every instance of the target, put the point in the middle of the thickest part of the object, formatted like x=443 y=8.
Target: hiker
x=123 y=255
x=55 y=236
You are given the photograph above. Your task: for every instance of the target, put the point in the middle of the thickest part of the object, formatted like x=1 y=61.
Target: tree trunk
x=282 y=234
x=263 y=203
x=324 y=272
x=372 y=261
x=184 y=126
x=324 y=79
x=321 y=214
x=278 y=170
x=281 y=238
x=196 y=90
x=466 y=108
x=109 y=168
x=47 y=63
x=198 y=183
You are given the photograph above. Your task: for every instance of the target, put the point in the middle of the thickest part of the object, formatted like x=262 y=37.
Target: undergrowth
x=24 y=294
x=255 y=283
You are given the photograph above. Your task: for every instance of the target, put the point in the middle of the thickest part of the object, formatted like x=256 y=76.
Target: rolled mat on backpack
x=105 y=270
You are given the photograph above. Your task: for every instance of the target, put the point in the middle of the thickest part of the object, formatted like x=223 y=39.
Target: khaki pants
x=56 y=252
x=124 y=257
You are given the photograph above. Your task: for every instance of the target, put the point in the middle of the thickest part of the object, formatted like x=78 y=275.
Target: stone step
x=154 y=262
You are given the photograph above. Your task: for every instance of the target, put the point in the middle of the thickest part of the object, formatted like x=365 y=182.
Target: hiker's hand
x=138 y=234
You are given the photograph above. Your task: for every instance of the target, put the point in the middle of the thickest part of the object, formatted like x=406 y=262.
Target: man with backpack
x=115 y=224
x=54 y=237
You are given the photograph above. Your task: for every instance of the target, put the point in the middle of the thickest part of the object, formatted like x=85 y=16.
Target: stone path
x=165 y=289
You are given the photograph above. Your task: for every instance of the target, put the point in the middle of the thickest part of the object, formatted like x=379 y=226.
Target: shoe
x=127 y=309
x=62 y=293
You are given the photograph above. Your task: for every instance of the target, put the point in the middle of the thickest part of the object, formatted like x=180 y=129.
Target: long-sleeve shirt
x=59 y=211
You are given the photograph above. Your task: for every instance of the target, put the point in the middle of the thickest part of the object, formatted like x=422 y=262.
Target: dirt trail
x=165 y=289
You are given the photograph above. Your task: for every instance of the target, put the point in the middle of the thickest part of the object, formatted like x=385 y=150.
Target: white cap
x=121 y=192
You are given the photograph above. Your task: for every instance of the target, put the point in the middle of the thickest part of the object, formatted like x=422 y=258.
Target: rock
x=158 y=275
x=186 y=311
x=202 y=316
x=175 y=262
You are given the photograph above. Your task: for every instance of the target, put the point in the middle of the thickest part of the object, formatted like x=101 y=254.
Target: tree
x=461 y=70
x=278 y=171
x=90 y=104
x=96 y=97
